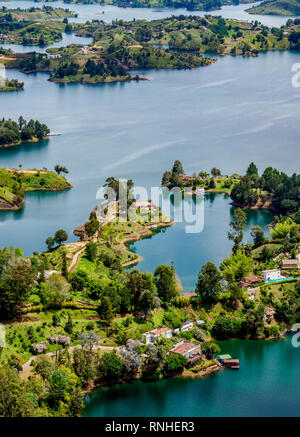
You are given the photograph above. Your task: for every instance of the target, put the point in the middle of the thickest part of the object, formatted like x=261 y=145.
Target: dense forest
x=12 y=132
x=284 y=189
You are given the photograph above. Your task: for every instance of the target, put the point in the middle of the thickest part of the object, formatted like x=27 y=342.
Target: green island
x=14 y=183
x=273 y=190
x=76 y=318
x=121 y=46
x=276 y=7
x=28 y=32
x=46 y=12
x=190 y=5
x=12 y=85
x=13 y=133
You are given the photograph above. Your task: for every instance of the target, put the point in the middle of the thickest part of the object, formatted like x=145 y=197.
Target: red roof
x=183 y=347
x=188 y=295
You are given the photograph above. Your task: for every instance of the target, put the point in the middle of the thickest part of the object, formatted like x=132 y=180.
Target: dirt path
x=26 y=366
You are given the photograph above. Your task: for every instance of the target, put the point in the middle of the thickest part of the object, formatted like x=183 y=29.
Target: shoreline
x=32 y=140
x=147 y=233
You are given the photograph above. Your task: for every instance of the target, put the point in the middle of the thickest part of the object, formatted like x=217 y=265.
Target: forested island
x=276 y=7
x=14 y=183
x=28 y=32
x=76 y=319
x=190 y=5
x=14 y=132
x=46 y=12
x=11 y=85
x=273 y=190
x=121 y=46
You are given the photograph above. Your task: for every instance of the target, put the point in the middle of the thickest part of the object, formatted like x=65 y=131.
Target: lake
x=226 y=115
x=95 y=11
x=266 y=385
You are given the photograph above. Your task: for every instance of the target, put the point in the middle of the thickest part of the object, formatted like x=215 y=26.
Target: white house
x=151 y=336
x=187 y=326
x=271 y=275
x=200 y=322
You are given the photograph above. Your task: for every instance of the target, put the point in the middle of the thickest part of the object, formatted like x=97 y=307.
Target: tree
x=110 y=367
x=61 y=169
x=50 y=243
x=89 y=340
x=210 y=349
x=58 y=387
x=174 y=363
x=55 y=319
x=83 y=365
x=15 y=285
x=165 y=281
x=92 y=226
x=43 y=366
x=69 y=325
x=237 y=266
x=91 y=250
x=177 y=167
x=209 y=284
x=215 y=172
x=252 y=170
x=258 y=235
x=54 y=292
x=146 y=302
x=105 y=311
x=14 y=401
x=64 y=269
x=60 y=236
x=237 y=225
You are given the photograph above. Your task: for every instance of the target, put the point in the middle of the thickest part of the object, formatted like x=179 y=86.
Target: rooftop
x=183 y=348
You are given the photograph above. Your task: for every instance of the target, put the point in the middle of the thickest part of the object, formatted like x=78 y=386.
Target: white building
x=187 y=326
x=200 y=191
x=200 y=322
x=151 y=336
x=271 y=275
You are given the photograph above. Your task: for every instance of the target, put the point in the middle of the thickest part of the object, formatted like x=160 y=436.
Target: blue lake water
x=233 y=112
x=95 y=11
x=266 y=385
x=225 y=115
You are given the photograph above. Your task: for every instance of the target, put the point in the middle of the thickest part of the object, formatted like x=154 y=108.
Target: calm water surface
x=93 y=12
x=225 y=115
x=267 y=384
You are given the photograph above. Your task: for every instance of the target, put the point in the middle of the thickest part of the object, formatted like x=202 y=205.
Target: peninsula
x=12 y=85
x=276 y=7
x=13 y=133
x=79 y=316
x=14 y=183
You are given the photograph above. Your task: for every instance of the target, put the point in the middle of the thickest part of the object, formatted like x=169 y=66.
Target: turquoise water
x=267 y=384
x=189 y=251
x=229 y=114
x=224 y=115
x=279 y=280
x=92 y=12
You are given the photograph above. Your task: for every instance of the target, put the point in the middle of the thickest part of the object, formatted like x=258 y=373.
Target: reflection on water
x=189 y=251
x=267 y=384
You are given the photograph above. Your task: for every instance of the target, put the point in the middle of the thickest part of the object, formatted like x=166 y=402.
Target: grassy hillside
x=277 y=7
x=14 y=184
